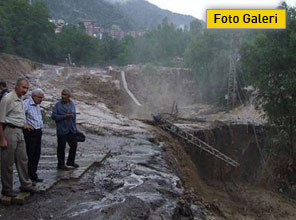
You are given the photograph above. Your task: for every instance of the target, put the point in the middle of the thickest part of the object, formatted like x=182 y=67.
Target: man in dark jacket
x=64 y=114
x=3 y=89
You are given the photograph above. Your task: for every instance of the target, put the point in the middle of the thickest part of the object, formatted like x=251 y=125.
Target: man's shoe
x=37 y=180
x=75 y=165
x=63 y=167
x=29 y=189
x=9 y=193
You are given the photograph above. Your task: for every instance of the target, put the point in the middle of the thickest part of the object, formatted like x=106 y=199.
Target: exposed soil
x=226 y=199
x=105 y=91
x=13 y=67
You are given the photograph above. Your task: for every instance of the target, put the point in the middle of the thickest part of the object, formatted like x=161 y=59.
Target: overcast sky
x=197 y=8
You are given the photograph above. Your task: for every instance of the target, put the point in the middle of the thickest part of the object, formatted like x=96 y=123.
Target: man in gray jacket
x=64 y=114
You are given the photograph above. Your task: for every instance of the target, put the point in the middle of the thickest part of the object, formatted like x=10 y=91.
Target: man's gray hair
x=67 y=92
x=37 y=92
x=20 y=80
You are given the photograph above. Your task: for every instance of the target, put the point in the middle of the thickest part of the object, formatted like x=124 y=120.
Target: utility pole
x=232 y=77
x=69 y=59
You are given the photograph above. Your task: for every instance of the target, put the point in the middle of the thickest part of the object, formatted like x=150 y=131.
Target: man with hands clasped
x=33 y=132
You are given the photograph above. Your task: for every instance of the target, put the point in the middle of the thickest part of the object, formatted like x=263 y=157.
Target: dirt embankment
x=230 y=193
x=13 y=67
x=105 y=90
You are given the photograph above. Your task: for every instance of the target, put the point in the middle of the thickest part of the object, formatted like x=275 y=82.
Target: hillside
x=146 y=15
x=105 y=14
x=130 y=15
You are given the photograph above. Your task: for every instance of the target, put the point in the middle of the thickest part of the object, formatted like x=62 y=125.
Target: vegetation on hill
x=99 y=11
x=269 y=62
x=146 y=16
x=131 y=15
x=26 y=31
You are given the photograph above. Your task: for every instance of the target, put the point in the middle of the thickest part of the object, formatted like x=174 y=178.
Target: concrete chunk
x=21 y=198
x=5 y=200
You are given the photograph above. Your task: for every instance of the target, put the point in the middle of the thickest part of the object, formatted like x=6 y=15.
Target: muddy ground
x=127 y=186
x=135 y=182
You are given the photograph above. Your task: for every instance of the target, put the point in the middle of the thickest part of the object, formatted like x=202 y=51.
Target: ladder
x=168 y=126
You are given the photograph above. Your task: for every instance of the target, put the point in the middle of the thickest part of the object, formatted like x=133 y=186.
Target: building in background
x=115 y=31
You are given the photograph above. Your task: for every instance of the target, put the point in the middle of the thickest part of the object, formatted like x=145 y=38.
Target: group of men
x=21 y=131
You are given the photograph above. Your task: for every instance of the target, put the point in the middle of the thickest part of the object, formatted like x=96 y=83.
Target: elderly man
x=33 y=132
x=64 y=114
x=12 y=122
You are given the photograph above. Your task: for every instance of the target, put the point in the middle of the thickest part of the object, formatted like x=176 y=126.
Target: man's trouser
x=33 y=147
x=62 y=140
x=15 y=152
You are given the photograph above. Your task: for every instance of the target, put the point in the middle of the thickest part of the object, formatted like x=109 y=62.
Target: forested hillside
x=26 y=31
x=146 y=16
x=131 y=15
x=99 y=11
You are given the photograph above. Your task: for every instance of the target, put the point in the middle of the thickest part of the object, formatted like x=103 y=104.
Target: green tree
x=73 y=40
x=196 y=28
x=109 y=50
x=159 y=46
x=208 y=57
x=126 y=45
x=26 y=30
x=270 y=64
x=4 y=35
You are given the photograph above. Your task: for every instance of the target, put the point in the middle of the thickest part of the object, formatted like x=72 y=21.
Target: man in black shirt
x=3 y=89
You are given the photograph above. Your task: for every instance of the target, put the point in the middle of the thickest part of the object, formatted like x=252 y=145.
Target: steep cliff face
x=244 y=143
x=230 y=193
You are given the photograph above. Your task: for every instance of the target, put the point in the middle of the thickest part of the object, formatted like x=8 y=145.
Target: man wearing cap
x=12 y=143
x=33 y=132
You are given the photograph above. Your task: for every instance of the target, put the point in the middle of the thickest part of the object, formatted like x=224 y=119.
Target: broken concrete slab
x=5 y=200
x=21 y=198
